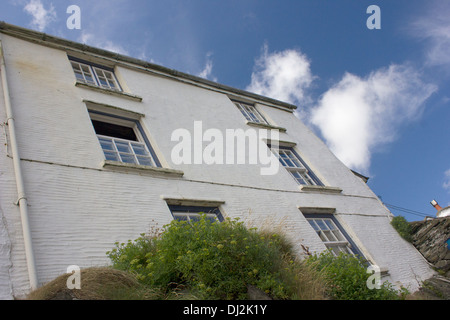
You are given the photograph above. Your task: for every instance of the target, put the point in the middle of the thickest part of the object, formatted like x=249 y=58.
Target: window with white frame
x=295 y=166
x=193 y=213
x=250 y=113
x=96 y=75
x=123 y=139
x=332 y=234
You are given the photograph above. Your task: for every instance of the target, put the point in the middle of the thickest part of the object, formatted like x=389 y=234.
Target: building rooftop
x=56 y=42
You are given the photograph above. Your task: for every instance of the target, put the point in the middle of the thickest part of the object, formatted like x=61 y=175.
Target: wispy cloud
x=434 y=29
x=284 y=75
x=357 y=115
x=207 y=71
x=446 y=184
x=42 y=17
x=99 y=42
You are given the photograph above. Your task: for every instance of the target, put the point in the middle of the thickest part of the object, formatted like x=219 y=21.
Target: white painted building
x=74 y=118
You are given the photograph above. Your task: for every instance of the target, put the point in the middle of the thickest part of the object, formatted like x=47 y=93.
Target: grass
x=98 y=283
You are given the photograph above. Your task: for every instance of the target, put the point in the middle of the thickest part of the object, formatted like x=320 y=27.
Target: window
x=296 y=167
x=123 y=140
x=95 y=75
x=250 y=113
x=332 y=234
x=192 y=213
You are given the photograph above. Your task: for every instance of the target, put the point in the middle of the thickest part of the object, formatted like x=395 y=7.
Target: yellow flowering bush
x=214 y=260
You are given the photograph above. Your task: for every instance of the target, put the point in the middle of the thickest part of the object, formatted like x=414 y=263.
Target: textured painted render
x=78 y=209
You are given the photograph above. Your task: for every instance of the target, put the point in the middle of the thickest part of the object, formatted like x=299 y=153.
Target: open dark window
x=123 y=140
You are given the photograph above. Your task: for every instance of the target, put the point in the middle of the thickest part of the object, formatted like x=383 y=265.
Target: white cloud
x=282 y=75
x=96 y=41
x=434 y=28
x=41 y=16
x=446 y=184
x=357 y=115
x=207 y=71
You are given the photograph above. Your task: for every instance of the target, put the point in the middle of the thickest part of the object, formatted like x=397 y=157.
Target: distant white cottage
x=97 y=147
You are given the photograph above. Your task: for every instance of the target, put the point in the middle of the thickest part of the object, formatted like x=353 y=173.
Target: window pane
x=298 y=177
x=323 y=237
x=335 y=250
x=79 y=76
x=106 y=144
x=139 y=149
x=286 y=159
x=112 y=156
x=103 y=82
x=89 y=79
x=180 y=217
x=112 y=85
x=289 y=159
x=85 y=73
x=330 y=224
x=193 y=214
x=313 y=224
x=145 y=161
x=106 y=78
x=120 y=143
x=308 y=179
x=250 y=112
x=123 y=146
x=321 y=224
x=330 y=236
x=194 y=217
x=76 y=66
x=127 y=158
x=211 y=217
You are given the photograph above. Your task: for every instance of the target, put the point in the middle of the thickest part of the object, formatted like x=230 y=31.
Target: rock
x=430 y=238
x=254 y=293
x=437 y=288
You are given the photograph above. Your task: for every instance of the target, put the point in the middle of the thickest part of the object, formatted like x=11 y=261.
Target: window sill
x=129 y=167
x=265 y=126
x=176 y=201
x=321 y=189
x=108 y=91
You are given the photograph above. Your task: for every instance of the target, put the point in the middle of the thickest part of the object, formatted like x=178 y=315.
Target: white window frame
x=189 y=213
x=101 y=77
x=293 y=164
x=120 y=155
x=331 y=235
x=146 y=158
x=193 y=216
x=251 y=113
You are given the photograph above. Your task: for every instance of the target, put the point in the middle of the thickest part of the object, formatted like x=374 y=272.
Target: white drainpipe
x=22 y=200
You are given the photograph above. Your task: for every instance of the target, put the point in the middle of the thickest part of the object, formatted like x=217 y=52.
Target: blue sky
x=379 y=98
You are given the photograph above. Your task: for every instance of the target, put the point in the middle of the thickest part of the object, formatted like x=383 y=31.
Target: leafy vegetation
x=403 y=227
x=217 y=261
x=209 y=260
x=347 y=277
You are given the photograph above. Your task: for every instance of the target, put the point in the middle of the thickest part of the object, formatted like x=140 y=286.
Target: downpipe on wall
x=22 y=199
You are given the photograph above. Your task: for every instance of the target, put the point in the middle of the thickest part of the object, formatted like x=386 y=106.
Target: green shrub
x=347 y=278
x=403 y=227
x=216 y=261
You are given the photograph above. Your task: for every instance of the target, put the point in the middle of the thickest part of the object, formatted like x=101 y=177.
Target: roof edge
x=40 y=37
